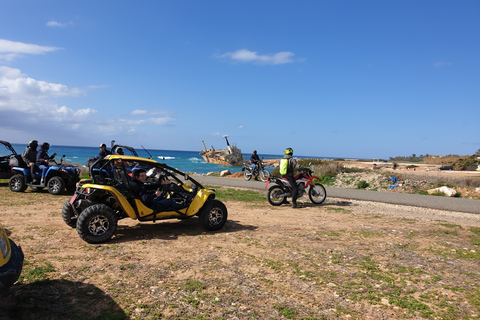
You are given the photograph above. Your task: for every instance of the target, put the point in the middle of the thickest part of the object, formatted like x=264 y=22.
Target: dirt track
x=342 y=260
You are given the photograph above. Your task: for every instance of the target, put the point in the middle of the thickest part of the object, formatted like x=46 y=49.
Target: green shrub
x=362 y=184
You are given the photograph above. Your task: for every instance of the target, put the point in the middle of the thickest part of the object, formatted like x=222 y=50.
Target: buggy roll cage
x=8 y=146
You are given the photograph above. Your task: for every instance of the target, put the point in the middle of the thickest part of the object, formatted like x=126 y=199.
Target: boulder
x=225 y=173
x=449 y=192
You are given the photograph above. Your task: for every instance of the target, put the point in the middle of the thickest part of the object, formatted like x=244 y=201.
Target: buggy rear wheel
x=97 y=224
x=213 y=215
x=17 y=183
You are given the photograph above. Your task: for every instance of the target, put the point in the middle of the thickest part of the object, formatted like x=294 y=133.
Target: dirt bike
x=278 y=193
x=259 y=171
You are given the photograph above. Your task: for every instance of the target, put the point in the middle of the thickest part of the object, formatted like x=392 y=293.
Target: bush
x=362 y=184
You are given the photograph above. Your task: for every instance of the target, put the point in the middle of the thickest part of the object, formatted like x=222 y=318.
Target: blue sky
x=352 y=78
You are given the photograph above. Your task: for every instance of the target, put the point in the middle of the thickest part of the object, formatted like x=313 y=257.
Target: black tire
x=213 y=215
x=264 y=174
x=17 y=183
x=97 y=224
x=317 y=193
x=13 y=268
x=273 y=196
x=68 y=215
x=56 y=185
x=247 y=174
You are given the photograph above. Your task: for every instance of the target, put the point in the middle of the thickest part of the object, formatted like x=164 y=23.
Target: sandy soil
x=341 y=260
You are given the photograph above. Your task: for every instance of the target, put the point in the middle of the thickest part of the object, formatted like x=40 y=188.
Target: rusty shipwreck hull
x=231 y=156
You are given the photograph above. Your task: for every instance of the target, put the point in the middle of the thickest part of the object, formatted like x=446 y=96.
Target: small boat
x=230 y=156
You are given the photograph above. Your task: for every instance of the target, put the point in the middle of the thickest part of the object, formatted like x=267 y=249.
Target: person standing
x=288 y=165
x=29 y=156
x=43 y=159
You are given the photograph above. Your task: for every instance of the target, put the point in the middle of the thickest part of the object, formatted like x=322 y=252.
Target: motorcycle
x=259 y=171
x=278 y=193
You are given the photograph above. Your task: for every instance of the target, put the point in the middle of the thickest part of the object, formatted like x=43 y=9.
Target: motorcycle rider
x=254 y=159
x=29 y=156
x=43 y=158
x=288 y=165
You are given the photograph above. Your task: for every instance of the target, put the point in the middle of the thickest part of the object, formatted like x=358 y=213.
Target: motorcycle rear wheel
x=273 y=196
x=317 y=193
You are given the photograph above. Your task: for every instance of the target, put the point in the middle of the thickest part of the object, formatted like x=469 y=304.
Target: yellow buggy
x=111 y=195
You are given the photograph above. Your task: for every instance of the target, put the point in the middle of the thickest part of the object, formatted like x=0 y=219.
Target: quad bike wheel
x=317 y=193
x=274 y=196
x=17 y=183
x=56 y=185
x=68 y=215
x=97 y=224
x=213 y=215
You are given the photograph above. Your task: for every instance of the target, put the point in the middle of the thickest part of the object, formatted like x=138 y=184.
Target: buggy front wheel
x=68 y=215
x=213 y=215
x=97 y=224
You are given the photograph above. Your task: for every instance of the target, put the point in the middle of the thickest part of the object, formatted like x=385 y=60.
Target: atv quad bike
x=57 y=178
x=111 y=195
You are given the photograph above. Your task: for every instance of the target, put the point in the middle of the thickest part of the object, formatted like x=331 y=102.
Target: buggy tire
x=273 y=196
x=68 y=215
x=247 y=175
x=97 y=224
x=56 y=185
x=317 y=193
x=213 y=215
x=17 y=183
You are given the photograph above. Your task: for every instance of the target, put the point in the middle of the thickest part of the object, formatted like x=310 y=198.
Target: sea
x=186 y=161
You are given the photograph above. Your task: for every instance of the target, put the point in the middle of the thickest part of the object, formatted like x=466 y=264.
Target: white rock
x=449 y=192
x=225 y=173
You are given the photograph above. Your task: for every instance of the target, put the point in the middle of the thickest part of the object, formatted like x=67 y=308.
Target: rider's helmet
x=288 y=151
x=45 y=146
x=120 y=151
x=33 y=144
x=102 y=145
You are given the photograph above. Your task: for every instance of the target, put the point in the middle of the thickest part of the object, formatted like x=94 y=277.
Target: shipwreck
x=230 y=156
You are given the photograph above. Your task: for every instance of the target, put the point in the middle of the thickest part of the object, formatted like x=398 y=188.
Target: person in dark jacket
x=29 y=156
x=43 y=159
x=254 y=160
x=153 y=200
x=289 y=165
x=103 y=151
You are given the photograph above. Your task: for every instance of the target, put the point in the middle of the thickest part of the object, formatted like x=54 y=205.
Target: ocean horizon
x=187 y=161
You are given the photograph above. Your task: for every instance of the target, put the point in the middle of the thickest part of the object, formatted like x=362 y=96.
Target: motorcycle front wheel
x=274 y=196
x=247 y=174
x=264 y=174
x=317 y=193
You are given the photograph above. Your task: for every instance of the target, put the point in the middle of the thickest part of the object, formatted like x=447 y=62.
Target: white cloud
x=11 y=49
x=28 y=108
x=244 y=55
x=240 y=126
x=56 y=24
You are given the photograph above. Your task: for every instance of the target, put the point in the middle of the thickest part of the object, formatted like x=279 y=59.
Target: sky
x=346 y=78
